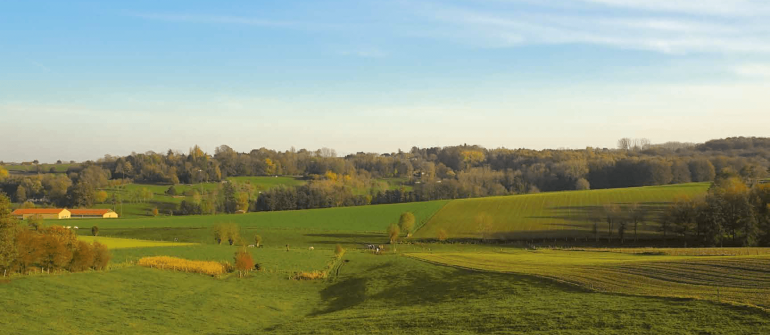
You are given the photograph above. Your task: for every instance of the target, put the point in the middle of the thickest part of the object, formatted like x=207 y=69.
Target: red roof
x=90 y=211
x=23 y=211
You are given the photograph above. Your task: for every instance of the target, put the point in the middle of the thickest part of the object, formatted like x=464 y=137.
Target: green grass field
x=743 y=280
x=415 y=288
x=166 y=203
x=123 y=243
x=388 y=294
x=359 y=218
x=45 y=168
x=547 y=215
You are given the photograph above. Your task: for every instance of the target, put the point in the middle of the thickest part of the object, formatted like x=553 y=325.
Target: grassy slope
x=166 y=203
x=740 y=279
x=379 y=294
x=552 y=214
x=360 y=218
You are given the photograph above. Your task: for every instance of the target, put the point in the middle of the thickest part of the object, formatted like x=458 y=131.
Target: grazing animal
x=68 y=227
x=76 y=227
x=251 y=245
x=311 y=248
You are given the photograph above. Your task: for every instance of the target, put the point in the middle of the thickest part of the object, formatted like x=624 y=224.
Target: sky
x=81 y=79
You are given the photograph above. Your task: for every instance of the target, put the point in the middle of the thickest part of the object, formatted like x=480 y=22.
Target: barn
x=44 y=213
x=93 y=214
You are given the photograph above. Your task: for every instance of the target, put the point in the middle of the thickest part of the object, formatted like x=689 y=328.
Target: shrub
x=82 y=257
x=258 y=240
x=102 y=256
x=94 y=230
x=243 y=261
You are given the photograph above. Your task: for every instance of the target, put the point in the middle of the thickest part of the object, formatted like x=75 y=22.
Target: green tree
x=257 y=240
x=393 y=232
x=682 y=214
x=406 y=223
x=95 y=231
x=21 y=194
x=8 y=223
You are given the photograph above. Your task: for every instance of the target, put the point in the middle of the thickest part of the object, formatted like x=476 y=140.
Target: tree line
x=430 y=173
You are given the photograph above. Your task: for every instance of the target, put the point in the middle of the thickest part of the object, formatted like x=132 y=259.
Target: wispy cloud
x=707 y=7
x=631 y=27
x=215 y=19
x=753 y=70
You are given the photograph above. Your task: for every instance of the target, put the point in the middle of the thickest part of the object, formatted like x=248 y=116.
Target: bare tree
x=624 y=143
x=636 y=214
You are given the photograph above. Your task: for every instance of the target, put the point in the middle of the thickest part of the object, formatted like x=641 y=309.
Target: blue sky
x=82 y=79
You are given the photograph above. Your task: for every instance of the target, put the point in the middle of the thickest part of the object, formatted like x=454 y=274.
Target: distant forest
x=434 y=173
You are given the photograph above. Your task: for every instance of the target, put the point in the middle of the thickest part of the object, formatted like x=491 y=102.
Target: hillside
x=546 y=215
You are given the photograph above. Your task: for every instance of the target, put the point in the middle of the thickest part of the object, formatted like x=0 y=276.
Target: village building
x=43 y=213
x=93 y=214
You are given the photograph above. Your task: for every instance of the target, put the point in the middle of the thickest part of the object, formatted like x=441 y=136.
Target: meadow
x=418 y=287
x=741 y=280
x=166 y=203
x=387 y=294
x=548 y=215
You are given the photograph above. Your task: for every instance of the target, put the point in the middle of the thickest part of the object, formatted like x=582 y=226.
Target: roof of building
x=90 y=211
x=23 y=211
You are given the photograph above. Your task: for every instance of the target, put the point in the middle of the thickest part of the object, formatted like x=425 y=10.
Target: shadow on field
x=583 y=213
x=348 y=238
x=342 y=295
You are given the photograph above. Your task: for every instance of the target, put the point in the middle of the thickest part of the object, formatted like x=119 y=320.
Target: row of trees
x=27 y=248
x=730 y=213
x=432 y=173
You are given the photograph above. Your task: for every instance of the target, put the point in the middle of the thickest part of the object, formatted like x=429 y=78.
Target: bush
x=102 y=256
x=94 y=230
x=243 y=261
x=82 y=257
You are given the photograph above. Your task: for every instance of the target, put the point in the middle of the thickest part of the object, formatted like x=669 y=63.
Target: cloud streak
x=632 y=26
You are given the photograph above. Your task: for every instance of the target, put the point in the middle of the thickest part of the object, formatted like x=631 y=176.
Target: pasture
x=389 y=294
x=741 y=280
x=415 y=287
x=547 y=215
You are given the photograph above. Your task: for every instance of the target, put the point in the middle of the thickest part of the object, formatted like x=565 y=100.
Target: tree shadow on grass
x=343 y=295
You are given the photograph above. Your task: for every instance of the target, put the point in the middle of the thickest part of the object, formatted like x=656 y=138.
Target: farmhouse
x=93 y=213
x=45 y=213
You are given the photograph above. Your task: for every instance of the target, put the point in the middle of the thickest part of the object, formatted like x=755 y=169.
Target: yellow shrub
x=180 y=264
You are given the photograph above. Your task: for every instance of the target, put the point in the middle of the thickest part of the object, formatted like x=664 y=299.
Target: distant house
x=93 y=214
x=44 y=213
